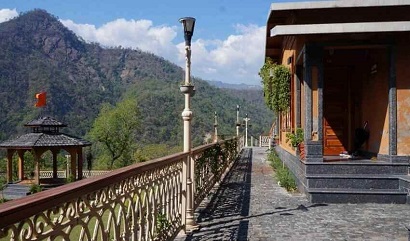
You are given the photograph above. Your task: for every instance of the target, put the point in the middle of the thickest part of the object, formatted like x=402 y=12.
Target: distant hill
x=38 y=53
x=242 y=86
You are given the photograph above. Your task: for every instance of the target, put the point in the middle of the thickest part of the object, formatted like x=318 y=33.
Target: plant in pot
x=295 y=138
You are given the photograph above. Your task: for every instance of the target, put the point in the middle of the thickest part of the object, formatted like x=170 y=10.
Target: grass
x=284 y=177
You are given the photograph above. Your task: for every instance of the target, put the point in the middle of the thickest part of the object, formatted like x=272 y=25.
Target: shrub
x=70 y=179
x=282 y=173
x=35 y=188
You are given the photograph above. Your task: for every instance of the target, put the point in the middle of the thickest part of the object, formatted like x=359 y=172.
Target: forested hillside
x=37 y=53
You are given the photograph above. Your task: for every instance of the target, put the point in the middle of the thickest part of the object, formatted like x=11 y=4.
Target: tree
x=115 y=128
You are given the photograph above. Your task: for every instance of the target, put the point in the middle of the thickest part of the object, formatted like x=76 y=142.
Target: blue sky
x=228 y=42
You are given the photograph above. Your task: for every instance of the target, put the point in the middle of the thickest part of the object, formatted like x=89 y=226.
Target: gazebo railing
x=63 y=174
x=139 y=202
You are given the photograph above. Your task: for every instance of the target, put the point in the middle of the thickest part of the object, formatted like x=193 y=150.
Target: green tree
x=115 y=128
x=152 y=151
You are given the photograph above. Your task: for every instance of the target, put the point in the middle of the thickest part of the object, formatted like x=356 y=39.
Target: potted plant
x=187 y=88
x=295 y=137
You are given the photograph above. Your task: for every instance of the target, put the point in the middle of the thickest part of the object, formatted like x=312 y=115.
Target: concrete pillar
x=392 y=103
x=54 y=164
x=73 y=165
x=37 y=169
x=21 y=164
x=80 y=163
x=10 y=166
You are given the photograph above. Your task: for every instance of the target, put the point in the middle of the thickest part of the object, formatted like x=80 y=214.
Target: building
x=348 y=62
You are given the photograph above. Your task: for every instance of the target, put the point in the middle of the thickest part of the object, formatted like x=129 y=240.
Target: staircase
x=15 y=190
x=357 y=182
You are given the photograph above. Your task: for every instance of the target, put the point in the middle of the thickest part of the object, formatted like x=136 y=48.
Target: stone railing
x=139 y=202
x=211 y=161
x=63 y=174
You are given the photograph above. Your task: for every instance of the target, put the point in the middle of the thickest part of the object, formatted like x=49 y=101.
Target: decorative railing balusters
x=138 y=202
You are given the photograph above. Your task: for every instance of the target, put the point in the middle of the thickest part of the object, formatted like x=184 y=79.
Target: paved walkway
x=249 y=205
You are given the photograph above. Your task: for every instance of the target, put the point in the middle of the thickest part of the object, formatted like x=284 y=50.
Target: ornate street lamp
x=246 y=119
x=238 y=123
x=216 y=127
x=188 y=167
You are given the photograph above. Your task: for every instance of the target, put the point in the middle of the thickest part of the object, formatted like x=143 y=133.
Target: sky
x=228 y=42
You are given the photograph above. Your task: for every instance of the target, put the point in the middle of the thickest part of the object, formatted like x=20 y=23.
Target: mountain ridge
x=38 y=53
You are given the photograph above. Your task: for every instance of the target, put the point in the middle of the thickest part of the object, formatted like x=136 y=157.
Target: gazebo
x=45 y=136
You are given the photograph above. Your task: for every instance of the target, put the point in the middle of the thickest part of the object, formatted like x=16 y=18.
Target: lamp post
x=246 y=119
x=237 y=121
x=216 y=127
x=188 y=168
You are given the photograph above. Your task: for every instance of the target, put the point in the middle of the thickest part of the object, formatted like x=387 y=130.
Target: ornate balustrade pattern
x=211 y=161
x=63 y=174
x=264 y=141
x=139 y=202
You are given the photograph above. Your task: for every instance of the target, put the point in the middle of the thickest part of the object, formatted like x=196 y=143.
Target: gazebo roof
x=31 y=140
x=45 y=121
x=45 y=133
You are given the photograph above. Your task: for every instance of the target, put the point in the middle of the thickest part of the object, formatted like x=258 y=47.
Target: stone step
x=14 y=191
x=353 y=181
x=404 y=182
x=382 y=168
x=340 y=195
x=17 y=187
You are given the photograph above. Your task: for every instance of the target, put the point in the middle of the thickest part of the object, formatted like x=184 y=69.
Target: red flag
x=41 y=99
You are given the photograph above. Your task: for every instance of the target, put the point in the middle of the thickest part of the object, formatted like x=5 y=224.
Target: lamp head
x=189 y=25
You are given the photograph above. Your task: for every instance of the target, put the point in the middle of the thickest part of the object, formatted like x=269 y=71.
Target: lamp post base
x=192 y=227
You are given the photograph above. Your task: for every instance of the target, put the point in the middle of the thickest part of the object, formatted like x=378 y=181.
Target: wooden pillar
x=80 y=163
x=73 y=165
x=54 y=164
x=10 y=165
x=21 y=164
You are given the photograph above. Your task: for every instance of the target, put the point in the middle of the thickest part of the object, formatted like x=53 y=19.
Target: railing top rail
x=204 y=147
x=13 y=211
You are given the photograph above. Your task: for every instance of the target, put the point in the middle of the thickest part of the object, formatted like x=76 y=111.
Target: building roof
x=336 y=4
x=342 y=18
x=333 y=28
x=32 y=140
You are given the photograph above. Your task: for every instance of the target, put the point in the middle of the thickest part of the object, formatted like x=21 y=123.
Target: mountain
x=38 y=53
x=241 y=86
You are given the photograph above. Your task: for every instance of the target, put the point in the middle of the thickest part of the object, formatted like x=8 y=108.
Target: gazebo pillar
x=37 y=168
x=21 y=164
x=80 y=163
x=73 y=165
x=10 y=165
x=54 y=164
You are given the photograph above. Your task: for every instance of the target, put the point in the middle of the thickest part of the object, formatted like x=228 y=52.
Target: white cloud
x=129 y=33
x=236 y=59
x=7 y=14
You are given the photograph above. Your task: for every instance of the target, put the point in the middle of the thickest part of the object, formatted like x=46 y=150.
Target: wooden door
x=335 y=110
